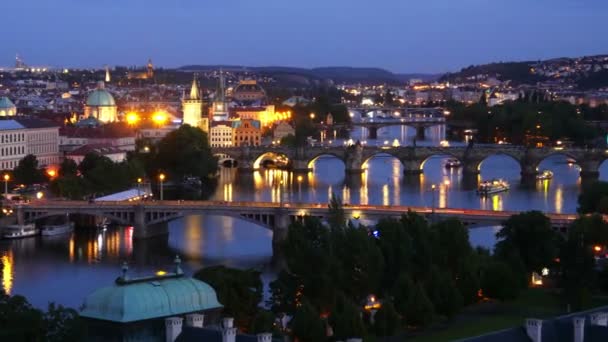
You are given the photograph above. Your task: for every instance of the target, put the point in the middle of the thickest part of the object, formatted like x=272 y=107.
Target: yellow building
x=192 y=107
x=220 y=134
x=246 y=132
x=101 y=105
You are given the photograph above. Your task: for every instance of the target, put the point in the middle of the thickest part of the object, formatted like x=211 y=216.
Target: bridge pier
x=420 y=133
x=590 y=170
x=141 y=230
x=300 y=166
x=412 y=167
x=372 y=132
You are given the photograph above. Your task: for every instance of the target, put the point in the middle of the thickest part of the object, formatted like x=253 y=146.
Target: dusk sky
x=399 y=35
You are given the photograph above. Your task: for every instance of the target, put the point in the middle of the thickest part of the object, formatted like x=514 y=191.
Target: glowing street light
x=312 y=116
x=161 y=177
x=160 y=118
x=6 y=179
x=139 y=180
x=52 y=173
x=132 y=118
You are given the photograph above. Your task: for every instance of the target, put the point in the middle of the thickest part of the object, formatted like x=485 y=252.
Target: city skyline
x=400 y=37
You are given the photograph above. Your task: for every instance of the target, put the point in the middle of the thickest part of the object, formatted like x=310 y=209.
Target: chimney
x=228 y=330
x=534 y=329
x=599 y=318
x=173 y=327
x=195 y=320
x=266 y=337
x=579 y=329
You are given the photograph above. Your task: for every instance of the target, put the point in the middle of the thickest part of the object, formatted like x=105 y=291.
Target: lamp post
x=161 y=177
x=433 y=188
x=6 y=179
x=139 y=180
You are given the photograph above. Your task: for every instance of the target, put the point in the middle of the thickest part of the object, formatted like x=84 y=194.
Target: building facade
x=246 y=133
x=282 y=130
x=220 y=134
x=23 y=136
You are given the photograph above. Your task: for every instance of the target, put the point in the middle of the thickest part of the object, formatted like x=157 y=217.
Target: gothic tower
x=107 y=74
x=150 y=69
x=220 y=107
x=192 y=106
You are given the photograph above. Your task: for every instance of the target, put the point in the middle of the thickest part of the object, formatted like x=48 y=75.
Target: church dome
x=248 y=88
x=149 y=298
x=100 y=98
x=7 y=107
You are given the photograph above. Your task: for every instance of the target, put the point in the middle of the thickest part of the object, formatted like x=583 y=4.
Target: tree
x=498 y=281
x=387 y=320
x=63 y=324
x=186 y=152
x=289 y=140
x=345 y=320
x=593 y=198
x=27 y=171
x=240 y=291
x=531 y=236
x=336 y=218
x=419 y=309
x=19 y=321
x=306 y=325
x=451 y=245
x=262 y=323
x=443 y=293
x=404 y=287
x=68 y=168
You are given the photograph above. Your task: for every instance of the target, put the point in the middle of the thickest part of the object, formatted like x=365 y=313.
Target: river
x=65 y=269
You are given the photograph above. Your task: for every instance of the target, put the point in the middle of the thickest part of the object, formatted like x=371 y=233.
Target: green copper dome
x=100 y=98
x=149 y=298
x=6 y=103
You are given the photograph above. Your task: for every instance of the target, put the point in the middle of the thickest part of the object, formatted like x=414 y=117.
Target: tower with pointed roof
x=107 y=74
x=220 y=106
x=192 y=106
x=150 y=69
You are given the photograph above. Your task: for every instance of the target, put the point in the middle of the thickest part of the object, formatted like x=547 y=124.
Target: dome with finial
x=7 y=107
x=100 y=98
x=137 y=299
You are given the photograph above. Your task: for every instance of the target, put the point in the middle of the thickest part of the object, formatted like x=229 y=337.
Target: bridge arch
x=497 y=155
x=442 y=155
x=119 y=217
x=565 y=154
x=312 y=160
x=224 y=159
x=275 y=156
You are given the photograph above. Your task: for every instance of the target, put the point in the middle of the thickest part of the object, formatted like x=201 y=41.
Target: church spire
x=220 y=92
x=107 y=74
x=194 y=92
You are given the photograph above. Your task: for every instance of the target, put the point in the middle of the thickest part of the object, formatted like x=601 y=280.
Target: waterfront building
x=25 y=135
x=135 y=309
x=72 y=137
x=192 y=107
x=101 y=105
x=246 y=132
x=7 y=107
x=111 y=152
x=147 y=74
x=249 y=91
x=266 y=115
x=155 y=134
x=220 y=134
x=219 y=107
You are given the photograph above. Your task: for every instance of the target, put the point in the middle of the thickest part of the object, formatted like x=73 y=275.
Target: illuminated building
x=7 y=107
x=24 y=135
x=220 y=134
x=101 y=105
x=219 y=109
x=108 y=78
x=192 y=107
x=148 y=74
x=248 y=91
x=246 y=132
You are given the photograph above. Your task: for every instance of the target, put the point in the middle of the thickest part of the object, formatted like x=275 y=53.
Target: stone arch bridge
x=413 y=158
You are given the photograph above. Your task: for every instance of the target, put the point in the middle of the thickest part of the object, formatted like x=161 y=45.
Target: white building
x=283 y=129
x=220 y=134
x=24 y=135
x=114 y=154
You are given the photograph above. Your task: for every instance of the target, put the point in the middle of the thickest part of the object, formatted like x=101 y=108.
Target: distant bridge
x=275 y=216
x=419 y=118
x=413 y=158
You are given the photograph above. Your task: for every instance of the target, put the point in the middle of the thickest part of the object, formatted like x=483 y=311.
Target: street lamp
x=161 y=177
x=433 y=187
x=6 y=179
x=312 y=116
x=139 y=180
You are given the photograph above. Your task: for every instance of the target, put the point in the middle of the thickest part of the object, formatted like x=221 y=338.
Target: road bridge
x=374 y=118
x=355 y=157
x=274 y=216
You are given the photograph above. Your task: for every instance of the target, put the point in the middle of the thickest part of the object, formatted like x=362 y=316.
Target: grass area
x=486 y=317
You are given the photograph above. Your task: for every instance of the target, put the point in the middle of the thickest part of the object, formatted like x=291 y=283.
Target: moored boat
x=16 y=231
x=546 y=174
x=452 y=163
x=57 y=229
x=492 y=186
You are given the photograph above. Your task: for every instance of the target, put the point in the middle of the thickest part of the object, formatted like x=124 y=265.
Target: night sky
x=399 y=35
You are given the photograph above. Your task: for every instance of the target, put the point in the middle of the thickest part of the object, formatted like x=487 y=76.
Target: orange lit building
x=246 y=132
x=148 y=74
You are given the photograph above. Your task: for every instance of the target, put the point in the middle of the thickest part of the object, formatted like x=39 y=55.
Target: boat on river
x=492 y=186
x=546 y=174
x=17 y=231
x=452 y=163
x=57 y=229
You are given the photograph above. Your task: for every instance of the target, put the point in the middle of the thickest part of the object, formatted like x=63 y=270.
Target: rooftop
x=131 y=300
